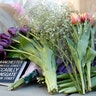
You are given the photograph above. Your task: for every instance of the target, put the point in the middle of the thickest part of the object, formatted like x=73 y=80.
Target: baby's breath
x=50 y=23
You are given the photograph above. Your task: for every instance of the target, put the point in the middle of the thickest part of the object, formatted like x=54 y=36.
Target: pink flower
x=21 y=11
x=84 y=17
x=19 y=8
x=80 y=18
x=75 y=19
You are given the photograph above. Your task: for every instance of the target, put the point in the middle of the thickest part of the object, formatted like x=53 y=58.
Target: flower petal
x=24 y=29
x=12 y=31
x=1 y=49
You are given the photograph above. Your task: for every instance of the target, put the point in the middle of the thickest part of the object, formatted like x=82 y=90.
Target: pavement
x=34 y=90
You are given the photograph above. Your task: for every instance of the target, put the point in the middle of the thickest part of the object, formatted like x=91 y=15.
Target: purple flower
x=9 y=42
x=4 y=36
x=24 y=29
x=59 y=61
x=12 y=31
x=62 y=69
x=4 y=40
x=94 y=63
x=4 y=44
x=1 y=49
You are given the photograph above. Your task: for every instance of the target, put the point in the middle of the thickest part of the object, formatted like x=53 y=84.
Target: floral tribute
x=61 y=43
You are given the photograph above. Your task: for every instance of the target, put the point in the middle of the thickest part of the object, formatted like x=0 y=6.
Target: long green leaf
x=73 y=50
x=82 y=45
x=77 y=62
x=89 y=57
x=26 y=44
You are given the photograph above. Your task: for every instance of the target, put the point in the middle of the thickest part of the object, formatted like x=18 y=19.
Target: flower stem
x=89 y=76
x=16 y=84
x=18 y=51
x=50 y=79
x=82 y=80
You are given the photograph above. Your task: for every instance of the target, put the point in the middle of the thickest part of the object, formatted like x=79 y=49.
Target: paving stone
x=93 y=93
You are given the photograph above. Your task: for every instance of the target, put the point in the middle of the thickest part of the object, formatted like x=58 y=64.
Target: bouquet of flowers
x=79 y=55
x=61 y=42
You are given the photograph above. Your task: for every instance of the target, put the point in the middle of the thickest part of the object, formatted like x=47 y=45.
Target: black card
x=11 y=70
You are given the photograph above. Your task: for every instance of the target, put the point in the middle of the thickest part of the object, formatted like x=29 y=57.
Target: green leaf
x=80 y=30
x=34 y=59
x=26 y=44
x=89 y=57
x=93 y=80
x=75 y=34
x=13 y=55
x=72 y=48
x=82 y=45
x=77 y=61
x=93 y=30
x=93 y=70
